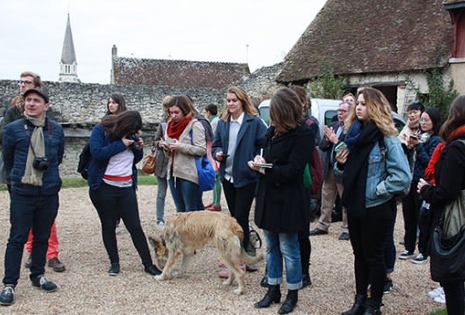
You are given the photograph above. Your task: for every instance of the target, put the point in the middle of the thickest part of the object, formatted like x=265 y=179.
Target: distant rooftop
x=177 y=73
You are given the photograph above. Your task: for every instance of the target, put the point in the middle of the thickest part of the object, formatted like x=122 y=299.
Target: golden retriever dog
x=184 y=233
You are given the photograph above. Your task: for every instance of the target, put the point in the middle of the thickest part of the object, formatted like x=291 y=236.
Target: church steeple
x=68 y=64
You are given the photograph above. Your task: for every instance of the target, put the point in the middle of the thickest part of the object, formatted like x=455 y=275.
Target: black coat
x=328 y=147
x=281 y=204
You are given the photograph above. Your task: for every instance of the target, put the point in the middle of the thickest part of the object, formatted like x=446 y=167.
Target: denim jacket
x=388 y=174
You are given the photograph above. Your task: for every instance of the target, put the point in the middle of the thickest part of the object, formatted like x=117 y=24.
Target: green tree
x=328 y=85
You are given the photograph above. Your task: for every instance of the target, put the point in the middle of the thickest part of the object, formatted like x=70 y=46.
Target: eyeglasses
x=25 y=82
x=342 y=110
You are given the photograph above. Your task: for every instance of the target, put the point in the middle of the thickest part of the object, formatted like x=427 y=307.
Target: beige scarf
x=33 y=176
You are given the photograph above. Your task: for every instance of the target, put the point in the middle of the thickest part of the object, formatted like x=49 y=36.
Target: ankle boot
x=359 y=306
x=372 y=307
x=289 y=303
x=272 y=296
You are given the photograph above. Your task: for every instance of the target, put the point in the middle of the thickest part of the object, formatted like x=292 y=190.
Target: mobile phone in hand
x=340 y=146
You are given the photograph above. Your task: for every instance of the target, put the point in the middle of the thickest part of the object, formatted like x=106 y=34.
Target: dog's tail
x=245 y=257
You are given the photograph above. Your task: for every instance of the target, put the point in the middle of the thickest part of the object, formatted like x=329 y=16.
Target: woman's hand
x=127 y=142
x=173 y=145
x=141 y=143
x=342 y=154
x=257 y=159
x=421 y=183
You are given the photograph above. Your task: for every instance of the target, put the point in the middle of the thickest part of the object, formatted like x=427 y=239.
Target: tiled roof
x=177 y=73
x=371 y=36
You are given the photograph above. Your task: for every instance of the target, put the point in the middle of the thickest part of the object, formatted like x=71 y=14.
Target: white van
x=322 y=109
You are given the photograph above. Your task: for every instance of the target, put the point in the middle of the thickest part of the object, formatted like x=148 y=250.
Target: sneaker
x=344 y=236
x=388 y=286
x=7 y=297
x=44 y=284
x=441 y=298
x=436 y=292
x=114 y=269
x=117 y=229
x=152 y=270
x=406 y=255
x=56 y=265
x=28 y=262
x=419 y=259
x=160 y=225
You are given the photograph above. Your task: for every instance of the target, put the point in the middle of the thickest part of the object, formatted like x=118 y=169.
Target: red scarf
x=175 y=129
x=429 y=172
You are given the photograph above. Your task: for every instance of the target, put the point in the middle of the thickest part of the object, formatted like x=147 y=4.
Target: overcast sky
x=259 y=32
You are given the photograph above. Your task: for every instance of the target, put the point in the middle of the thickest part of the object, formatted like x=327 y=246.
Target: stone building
x=382 y=44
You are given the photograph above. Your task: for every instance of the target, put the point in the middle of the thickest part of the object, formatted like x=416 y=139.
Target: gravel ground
x=85 y=287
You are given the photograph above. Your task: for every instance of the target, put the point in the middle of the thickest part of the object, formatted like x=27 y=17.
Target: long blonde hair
x=247 y=106
x=378 y=110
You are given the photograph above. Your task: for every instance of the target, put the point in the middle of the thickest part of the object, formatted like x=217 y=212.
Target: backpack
x=84 y=161
x=316 y=171
x=316 y=167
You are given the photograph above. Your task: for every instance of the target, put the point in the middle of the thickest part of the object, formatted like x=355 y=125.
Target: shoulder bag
x=205 y=171
x=448 y=243
x=148 y=164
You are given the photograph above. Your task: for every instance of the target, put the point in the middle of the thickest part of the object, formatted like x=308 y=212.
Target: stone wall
x=79 y=106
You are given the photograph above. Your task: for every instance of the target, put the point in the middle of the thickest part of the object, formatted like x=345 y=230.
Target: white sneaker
x=117 y=230
x=441 y=298
x=420 y=259
x=406 y=255
x=161 y=226
x=436 y=292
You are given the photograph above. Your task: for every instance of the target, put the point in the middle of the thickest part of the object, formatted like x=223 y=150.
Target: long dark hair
x=118 y=98
x=120 y=125
x=285 y=110
x=456 y=118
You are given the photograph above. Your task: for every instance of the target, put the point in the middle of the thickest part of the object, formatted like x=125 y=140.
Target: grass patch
x=75 y=182
x=439 y=312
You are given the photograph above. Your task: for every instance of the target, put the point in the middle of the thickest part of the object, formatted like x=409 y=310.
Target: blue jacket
x=251 y=137
x=16 y=147
x=424 y=151
x=387 y=176
x=102 y=150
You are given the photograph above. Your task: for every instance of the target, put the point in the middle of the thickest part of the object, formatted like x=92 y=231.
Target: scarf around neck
x=33 y=176
x=360 y=141
x=175 y=129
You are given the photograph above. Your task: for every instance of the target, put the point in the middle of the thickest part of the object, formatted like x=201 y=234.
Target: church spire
x=68 y=64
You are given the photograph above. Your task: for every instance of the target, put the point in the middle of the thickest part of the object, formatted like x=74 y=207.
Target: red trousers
x=52 y=250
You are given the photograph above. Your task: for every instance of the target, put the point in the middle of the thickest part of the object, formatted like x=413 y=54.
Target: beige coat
x=182 y=160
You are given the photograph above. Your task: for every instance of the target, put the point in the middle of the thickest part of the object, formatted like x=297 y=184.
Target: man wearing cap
x=33 y=148
x=29 y=80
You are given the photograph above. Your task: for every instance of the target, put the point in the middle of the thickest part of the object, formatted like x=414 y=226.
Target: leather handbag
x=447 y=256
x=448 y=243
x=149 y=161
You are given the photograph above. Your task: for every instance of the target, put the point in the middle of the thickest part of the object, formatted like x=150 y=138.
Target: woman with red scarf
x=450 y=181
x=185 y=139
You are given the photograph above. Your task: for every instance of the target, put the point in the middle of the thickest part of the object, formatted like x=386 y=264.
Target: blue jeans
x=186 y=194
x=279 y=246
x=115 y=202
x=162 y=184
x=26 y=212
x=390 y=249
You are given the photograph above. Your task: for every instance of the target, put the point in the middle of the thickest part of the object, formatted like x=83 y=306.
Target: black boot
x=289 y=303
x=372 y=307
x=272 y=296
x=264 y=282
x=359 y=306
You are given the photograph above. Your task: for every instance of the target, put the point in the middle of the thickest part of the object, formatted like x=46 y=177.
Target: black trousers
x=368 y=234
x=113 y=203
x=239 y=201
